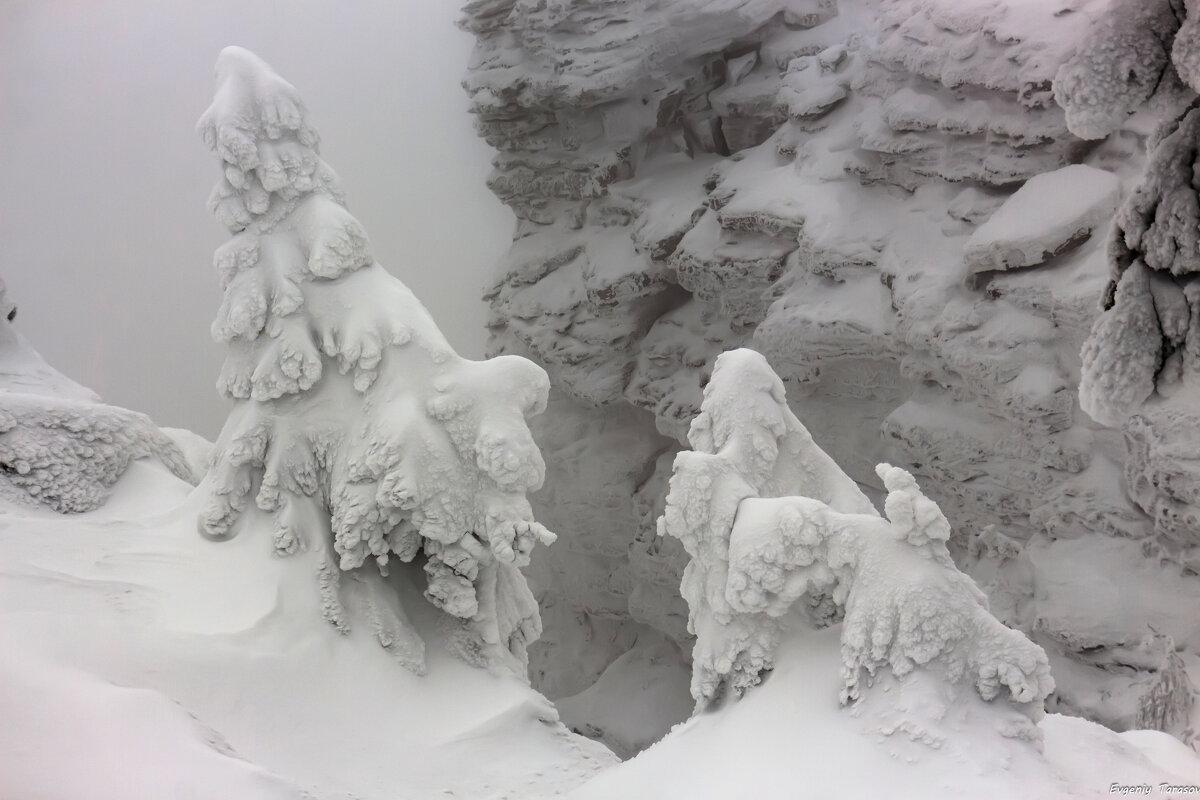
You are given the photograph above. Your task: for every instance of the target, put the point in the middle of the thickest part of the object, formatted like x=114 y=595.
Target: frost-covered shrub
x=355 y=420
x=777 y=531
x=59 y=446
x=66 y=454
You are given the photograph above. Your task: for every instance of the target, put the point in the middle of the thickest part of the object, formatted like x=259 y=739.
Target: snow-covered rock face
x=357 y=428
x=836 y=185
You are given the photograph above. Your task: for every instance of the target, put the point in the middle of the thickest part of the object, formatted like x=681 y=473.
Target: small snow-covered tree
x=356 y=427
x=777 y=533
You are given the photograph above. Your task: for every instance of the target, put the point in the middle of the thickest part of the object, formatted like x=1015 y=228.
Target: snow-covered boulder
x=1050 y=213
x=67 y=454
x=356 y=427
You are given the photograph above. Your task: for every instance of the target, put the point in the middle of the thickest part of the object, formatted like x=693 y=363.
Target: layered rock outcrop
x=884 y=199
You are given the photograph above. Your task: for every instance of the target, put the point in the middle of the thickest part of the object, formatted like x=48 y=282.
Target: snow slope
x=910 y=739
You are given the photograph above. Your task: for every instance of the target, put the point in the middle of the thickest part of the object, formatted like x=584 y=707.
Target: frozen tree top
x=357 y=428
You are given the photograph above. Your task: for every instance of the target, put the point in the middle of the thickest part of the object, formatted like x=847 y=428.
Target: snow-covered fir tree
x=357 y=428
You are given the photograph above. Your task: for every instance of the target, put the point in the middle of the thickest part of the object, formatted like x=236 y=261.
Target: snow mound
x=915 y=738
x=1050 y=213
x=350 y=404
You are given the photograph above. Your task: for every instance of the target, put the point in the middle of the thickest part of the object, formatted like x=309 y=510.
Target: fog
x=105 y=240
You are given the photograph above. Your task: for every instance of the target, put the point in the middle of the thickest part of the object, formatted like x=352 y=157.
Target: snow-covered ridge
x=839 y=186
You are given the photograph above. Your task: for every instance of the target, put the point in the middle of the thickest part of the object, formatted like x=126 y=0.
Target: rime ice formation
x=772 y=524
x=67 y=454
x=60 y=447
x=887 y=200
x=350 y=405
x=1140 y=366
x=1123 y=61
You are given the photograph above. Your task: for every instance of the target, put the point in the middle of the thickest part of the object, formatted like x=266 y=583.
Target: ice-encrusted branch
x=350 y=402
x=776 y=531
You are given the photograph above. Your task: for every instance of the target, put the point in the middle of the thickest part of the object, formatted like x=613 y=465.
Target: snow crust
x=907 y=738
x=350 y=404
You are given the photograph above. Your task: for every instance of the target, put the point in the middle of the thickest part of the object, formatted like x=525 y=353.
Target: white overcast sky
x=105 y=243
